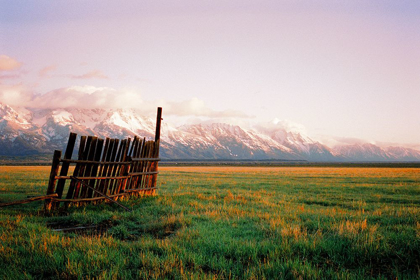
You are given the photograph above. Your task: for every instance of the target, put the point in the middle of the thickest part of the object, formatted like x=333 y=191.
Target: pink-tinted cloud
x=103 y=97
x=8 y=64
x=15 y=95
x=9 y=76
x=94 y=74
x=335 y=141
x=277 y=124
x=197 y=107
x=45 y=72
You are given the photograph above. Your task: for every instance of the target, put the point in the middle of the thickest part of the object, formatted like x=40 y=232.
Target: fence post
x=158 y=122
x=156 y=150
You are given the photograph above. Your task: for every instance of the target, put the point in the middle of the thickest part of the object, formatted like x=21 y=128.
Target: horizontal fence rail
x=109 y=162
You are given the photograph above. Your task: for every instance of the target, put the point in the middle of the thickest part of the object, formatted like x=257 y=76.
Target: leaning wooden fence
x=104 y=169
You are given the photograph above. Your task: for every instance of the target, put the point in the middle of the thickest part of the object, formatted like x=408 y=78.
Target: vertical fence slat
x=158 y=124
x=77 y=168
x=150 y=166
x=137 y=165
x=115 y=167
x=156 y=149
x=109 y=153
x=102 y=169
x=89 y=166
x=123 y=169
x=116 y=170
x=65 y=166
x=133 y=146
x=144 y=166
x=112 y=167
x=95 y=166
x=155 y=167
x=85 y=154
x=132 y=154
x=54 y=171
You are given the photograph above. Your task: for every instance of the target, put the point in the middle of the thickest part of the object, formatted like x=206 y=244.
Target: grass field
x=223 y=223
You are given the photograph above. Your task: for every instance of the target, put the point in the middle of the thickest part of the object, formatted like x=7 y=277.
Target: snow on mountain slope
x=28 y=131
x=293 y=136
x=362 y=152
x=403 y=154
x=227 y=141
x=17 y=134
x=15 y=118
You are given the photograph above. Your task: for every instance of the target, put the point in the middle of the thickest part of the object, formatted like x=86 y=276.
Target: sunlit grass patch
x=221 y=223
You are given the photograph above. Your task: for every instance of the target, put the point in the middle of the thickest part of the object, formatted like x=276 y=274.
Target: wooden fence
x=104 y=169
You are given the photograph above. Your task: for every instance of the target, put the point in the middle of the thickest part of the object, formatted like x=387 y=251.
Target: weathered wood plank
x=95 y=166
x=135 y=166
x=76 y=170
x=51 y=184
x=65 y=166
x=103 y=167
x=121 y=149
x=88 y=170
x=157 y=147
x=83 y=166
x=158 y=124
x=108 y=157
x=112 y=167
x=123 y=169
x=133 y=146
x=155 y=167
x=150 y=165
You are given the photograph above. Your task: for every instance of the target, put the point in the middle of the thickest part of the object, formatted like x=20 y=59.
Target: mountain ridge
x=30 y=131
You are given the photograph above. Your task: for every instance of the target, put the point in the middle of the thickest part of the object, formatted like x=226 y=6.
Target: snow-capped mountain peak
x=17 y=117
x=29 y=131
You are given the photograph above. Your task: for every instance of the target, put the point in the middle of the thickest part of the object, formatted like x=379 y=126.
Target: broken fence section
x=104 y=169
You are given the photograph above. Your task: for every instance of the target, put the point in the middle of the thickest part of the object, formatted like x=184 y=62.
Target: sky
x=342 y=69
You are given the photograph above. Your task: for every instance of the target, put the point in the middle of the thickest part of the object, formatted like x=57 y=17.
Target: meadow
x=222 y=223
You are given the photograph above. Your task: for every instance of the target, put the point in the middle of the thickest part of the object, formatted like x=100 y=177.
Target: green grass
x=223 y=223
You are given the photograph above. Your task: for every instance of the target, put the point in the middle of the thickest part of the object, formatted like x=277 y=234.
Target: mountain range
x=31 y=131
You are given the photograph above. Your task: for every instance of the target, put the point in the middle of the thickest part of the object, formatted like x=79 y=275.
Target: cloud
x=277 y=124
x=197 y=107
x=76 y=96
x=44 y=72
x=8 y=64
x=87 y=97
x=94 y=74
x=15 y=95
x=9 y=76
x=90 y=97
x=334 y=141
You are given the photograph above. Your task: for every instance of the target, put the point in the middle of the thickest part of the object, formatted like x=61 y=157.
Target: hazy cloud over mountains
x=90 y=97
